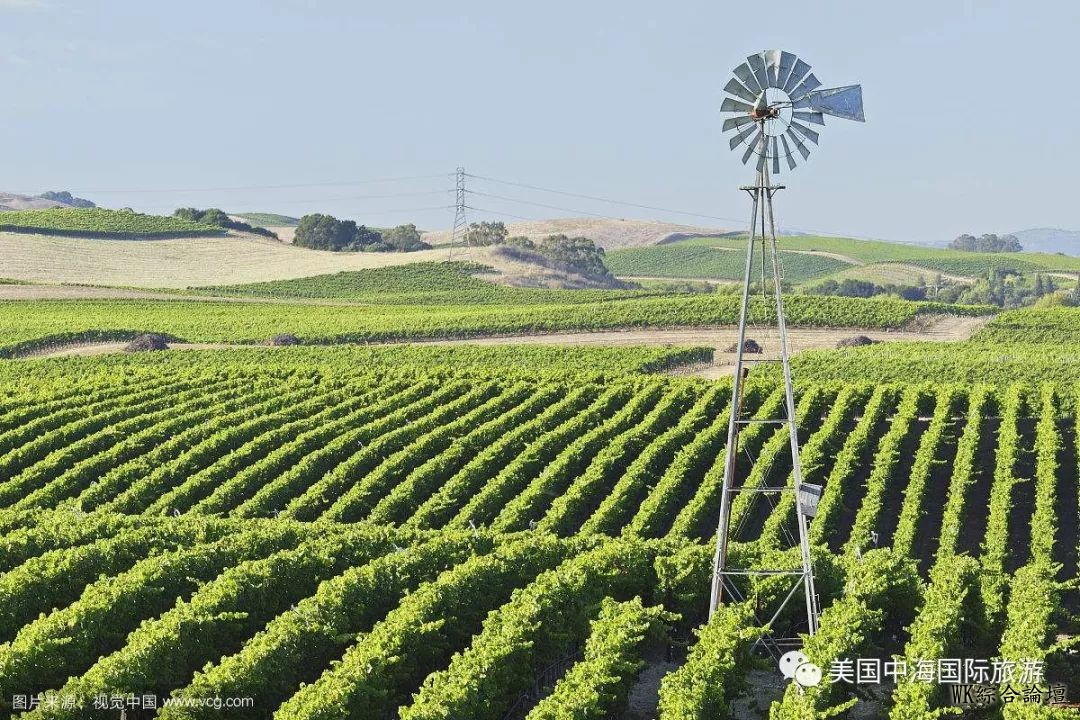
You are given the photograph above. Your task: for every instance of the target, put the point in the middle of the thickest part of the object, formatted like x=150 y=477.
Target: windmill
x=774 y=101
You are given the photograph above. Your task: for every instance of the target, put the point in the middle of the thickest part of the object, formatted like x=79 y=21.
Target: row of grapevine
x=886 y=460
x=298 y=644
x=64 y=642
x=597 y=687
x=531 y=503
x=440 y=507
x=389 y=444
x=164 y=652
x=360 y=450
x=90 y=451
x=775 y=452
x=271 y=476
x=695 y=517
x=89 y=424
x=37 y=416
x=715 y=670
x=913 y=508
x=157 y=431
x=28 y=326
x=277 y=447
x=979 y=400
x=995 y=547
x=55 y=578
x=685 y=474
x=183 y=450
x=950 y=611
x=880 y=596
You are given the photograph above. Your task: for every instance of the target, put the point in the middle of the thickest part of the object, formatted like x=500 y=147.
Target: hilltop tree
x=986 y=243
x=324 y=232
x=486 y=233
x=404 y=238
x=578 y=252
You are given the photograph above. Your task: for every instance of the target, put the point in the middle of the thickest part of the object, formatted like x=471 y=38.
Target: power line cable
x=543 y=205
x=603 y=199
x=267 y=187
x=502 y=213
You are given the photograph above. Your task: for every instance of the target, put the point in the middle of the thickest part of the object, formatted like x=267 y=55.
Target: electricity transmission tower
x=461 y=226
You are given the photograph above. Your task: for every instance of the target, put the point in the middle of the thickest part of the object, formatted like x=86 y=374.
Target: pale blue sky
x=971 y=107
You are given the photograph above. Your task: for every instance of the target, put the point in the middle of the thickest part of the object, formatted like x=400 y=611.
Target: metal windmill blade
x=803 y=150
x=788 y=155
x=757 y=64
x=800 y=95
x=737 y=89
x=742 y=136
x=805 y=132
x=814 y=117
x=798 y=72
x=787 y=62
x=772 y=66
x=746 y=77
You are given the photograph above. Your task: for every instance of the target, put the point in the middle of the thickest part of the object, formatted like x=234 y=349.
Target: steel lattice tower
x=726 y=573
x=774 y=99
x=460 y=230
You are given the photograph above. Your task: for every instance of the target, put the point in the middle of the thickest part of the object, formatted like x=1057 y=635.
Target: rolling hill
x=608 y=234
x=810 y=257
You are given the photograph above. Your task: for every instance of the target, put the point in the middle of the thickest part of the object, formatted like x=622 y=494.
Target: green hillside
x=679 y=260
x=102 y=223
x=876 y=251
x=431 y=283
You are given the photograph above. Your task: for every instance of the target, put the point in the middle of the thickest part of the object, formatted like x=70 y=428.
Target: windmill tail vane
x=774 y=99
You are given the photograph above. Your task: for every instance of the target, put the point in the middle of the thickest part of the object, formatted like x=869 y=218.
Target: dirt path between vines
x=943 y=328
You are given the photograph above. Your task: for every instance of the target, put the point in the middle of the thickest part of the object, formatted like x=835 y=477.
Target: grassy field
x=179 y=262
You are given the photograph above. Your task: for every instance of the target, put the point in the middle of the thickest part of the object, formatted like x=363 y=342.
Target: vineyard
x=974 y=264
x=429 y=283
x=27 y=326
x=350 y=533
x=679 y=260
x=101 y=223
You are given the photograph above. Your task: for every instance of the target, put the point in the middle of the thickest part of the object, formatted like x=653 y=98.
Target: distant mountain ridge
x=44 y=201
x=1049 y=240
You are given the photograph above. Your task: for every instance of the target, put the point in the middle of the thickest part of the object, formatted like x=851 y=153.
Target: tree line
x=578 y=253
x=988 y=242
x=325 y=232
x=219 y=218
